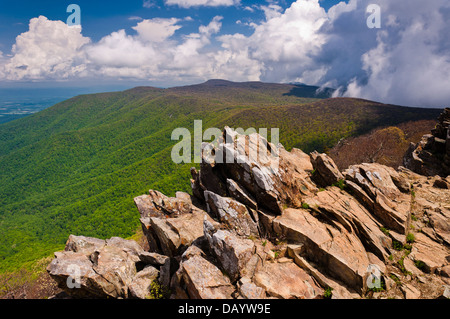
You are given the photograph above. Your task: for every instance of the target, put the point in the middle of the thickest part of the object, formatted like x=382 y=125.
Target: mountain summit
x=75 y=168
x=297 y=229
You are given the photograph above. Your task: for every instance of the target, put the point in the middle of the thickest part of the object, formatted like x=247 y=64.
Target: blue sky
x=101 y=17
x=173 y=42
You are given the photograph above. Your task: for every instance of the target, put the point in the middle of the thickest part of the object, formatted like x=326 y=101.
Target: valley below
x=76 y=169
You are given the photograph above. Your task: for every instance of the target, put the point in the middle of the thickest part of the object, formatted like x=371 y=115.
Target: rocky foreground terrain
x=431 y=156
x=285 y=226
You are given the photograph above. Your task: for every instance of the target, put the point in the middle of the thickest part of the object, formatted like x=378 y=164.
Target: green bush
x=341 y=184
x=397 y=245
x=158 y=291
x=385 y=231
x=328 y=293
x=420 y=264
x=410 y=238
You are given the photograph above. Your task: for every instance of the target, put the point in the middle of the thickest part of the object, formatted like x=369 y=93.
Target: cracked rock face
x=114 y=268
x=431 y=156
x=281 y=225
x=232 y=252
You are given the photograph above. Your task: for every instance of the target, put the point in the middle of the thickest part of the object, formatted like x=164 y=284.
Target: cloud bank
x=50 y=49
x=406 y=61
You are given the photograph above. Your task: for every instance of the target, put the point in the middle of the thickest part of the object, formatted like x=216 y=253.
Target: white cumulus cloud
x=50 y=49
x=282 y=48
x=406 y=61
x=152 y=54
x=157 y=30
x=410 y=61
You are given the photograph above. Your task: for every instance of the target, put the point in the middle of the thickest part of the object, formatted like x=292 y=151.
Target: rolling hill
x=75 y=168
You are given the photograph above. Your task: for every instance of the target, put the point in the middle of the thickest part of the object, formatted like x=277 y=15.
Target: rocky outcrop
x=326 y=173
x=114 y=268
x=373 y=185
x=431 y=156
x=278 y=225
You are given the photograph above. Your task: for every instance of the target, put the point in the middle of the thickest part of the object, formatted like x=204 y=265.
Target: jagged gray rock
x=279 y=225
x=231 y=213
x=204 y=280
x=326 y=172
x=232 y=252
x=93 y=268
x=141 y=284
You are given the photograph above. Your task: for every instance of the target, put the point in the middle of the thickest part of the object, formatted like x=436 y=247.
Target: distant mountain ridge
x=74 y=168
x=298 y=90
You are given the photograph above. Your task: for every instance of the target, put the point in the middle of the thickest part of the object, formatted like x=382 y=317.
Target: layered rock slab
x=337 y=251
x=93 y=268
x=270 y=174
x=378 y=192
x=262 y=228
x=204 y=280
x=287 y=281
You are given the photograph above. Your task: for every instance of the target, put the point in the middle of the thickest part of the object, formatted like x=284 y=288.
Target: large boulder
x=174 y=235
x=337 y=251
x=232 y=252
x=88 y=268
x=113 y=268
x=204 y=280
x=326 y=172
x=287 y=281
x=378 y=192
x=73 y=272
x=232 y=214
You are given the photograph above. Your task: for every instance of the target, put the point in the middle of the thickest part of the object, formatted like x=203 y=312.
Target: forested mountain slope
x=75 y=168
